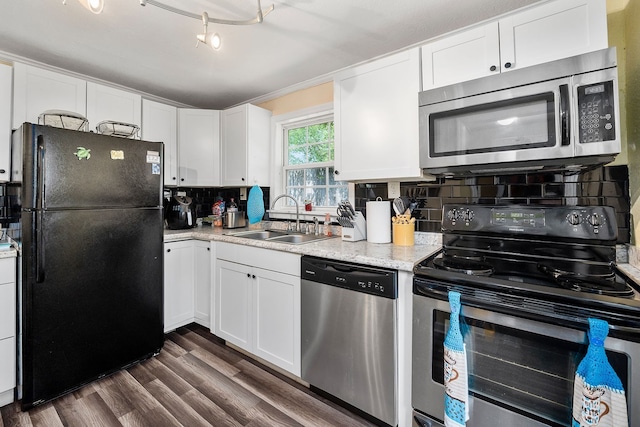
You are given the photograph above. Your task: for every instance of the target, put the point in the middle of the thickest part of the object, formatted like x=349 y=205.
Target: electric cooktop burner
x=568 y=248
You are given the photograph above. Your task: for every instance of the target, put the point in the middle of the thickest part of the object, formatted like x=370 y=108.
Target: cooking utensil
x=398 y=206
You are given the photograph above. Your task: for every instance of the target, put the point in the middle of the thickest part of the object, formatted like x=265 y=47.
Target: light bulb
x=215 y=41
x=94 y=6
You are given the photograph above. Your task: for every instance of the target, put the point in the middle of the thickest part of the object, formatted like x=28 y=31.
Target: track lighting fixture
x=94 y=6
x=211 y=39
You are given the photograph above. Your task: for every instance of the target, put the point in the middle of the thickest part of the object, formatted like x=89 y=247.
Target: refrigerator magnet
x=117 y=155
x=153 y=157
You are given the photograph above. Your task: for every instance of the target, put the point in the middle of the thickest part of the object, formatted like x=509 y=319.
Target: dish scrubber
x=255 y=205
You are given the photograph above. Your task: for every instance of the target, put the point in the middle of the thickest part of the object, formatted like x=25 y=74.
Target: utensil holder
x=403 y=234
x=357 y=231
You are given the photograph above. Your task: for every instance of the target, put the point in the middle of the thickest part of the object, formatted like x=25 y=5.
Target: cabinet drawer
x=7 y=364
x=268 y=259
x=8 y=270
x=7 y=310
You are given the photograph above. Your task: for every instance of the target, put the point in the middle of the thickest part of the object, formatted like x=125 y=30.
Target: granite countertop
x=8 y=253
x=387 y=255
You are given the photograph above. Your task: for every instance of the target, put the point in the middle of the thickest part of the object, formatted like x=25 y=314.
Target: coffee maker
x=180 y=212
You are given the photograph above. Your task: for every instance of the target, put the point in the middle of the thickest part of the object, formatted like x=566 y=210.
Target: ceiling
x=151 y=50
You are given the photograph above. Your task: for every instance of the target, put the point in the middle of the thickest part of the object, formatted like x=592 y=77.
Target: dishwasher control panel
x=360 y=278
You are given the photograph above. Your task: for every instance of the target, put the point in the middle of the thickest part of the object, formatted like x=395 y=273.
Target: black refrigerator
x=92 y=261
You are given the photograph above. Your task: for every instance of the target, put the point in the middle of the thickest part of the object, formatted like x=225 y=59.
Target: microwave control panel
x=596 y=112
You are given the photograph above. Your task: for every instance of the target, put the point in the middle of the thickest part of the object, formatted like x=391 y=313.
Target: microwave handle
x=565 y=115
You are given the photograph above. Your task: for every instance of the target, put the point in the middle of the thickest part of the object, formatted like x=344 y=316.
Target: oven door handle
x=514 y=305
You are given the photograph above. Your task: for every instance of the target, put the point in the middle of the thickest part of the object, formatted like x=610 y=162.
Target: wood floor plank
x=45 y=416
x=182 y=412
x=208 y=410
x=174 y=381
x=298 y=404
x=196 y=380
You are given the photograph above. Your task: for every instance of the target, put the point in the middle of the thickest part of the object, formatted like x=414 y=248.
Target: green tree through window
x=309 y=164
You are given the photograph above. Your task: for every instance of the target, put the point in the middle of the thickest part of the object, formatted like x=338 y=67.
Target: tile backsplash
x=206 y=197
x=602 y=186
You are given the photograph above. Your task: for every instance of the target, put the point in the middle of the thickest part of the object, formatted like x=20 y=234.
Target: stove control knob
x=574 y=218
x=452 y=215
x=468 y=215
x=594 y=219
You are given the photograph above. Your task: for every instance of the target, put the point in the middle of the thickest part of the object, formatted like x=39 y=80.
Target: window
x=308 y=163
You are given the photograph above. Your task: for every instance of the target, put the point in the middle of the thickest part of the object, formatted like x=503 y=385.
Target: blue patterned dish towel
x=598 y=396
x=456 y=384
x=255 y=205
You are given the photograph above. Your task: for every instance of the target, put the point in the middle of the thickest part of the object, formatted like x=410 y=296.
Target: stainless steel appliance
x=560 y=115
x=92 y=236
x=530 y=277
x=349 y=345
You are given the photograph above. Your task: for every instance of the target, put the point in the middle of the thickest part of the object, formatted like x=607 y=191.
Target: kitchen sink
x=280 y=236
x=259 y=234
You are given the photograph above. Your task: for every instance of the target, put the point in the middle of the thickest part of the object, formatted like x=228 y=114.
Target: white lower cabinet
x=257 y=306
x=178 y=284
x=187 y=283
x=202 y=282
x=7 y=330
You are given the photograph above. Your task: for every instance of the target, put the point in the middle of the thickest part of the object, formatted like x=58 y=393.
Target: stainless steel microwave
x=562 y=115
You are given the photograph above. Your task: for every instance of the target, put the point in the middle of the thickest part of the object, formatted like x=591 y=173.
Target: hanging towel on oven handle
x=598 y=395
x=456 y=385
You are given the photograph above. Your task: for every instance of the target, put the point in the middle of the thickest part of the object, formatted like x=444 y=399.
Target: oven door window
x=517 y=123
x=522 y=371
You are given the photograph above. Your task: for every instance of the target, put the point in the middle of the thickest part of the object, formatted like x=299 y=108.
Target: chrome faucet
x=297 y=208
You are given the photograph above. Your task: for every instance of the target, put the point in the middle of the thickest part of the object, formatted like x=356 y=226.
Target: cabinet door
x=202 y=282
x=7 y=310
x=198 y=148
x=178 y=284
x=277 y=319
x=36 y=90
x=233 y=146
x=160 y=123
x=5 y=121
x=107 y=103
x=552 y=31
x=233 y=303
x=376 y=119
x=244 y=144
x=464 y=56
x=7 y=364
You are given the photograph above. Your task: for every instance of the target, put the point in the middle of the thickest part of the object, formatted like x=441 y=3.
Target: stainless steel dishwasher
x=349 y=345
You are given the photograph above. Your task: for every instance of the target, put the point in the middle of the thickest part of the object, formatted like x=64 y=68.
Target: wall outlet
x=393 y=189
x=243 y=193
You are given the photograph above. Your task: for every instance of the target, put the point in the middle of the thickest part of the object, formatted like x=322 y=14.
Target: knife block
x=358 y=231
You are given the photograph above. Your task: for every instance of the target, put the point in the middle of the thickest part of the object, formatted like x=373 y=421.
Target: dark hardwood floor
x=195 y=381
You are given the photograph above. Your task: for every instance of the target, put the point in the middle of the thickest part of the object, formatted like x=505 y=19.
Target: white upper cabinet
x=245 y=141
x=36 y=90
x=5 y=122
x=464 y=56
x=376 y=119
x=198 y=148
x=552 y=31
x=116 y=105
x=160 y=123
x=540 y=34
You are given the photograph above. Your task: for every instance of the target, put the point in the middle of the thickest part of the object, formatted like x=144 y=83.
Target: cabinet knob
x=242 y=179
x=181 y=179
x=3 y=171
x=253 y=276
x=336 y=172
x=208 y=249
x=493 y=68
x=174 y=178
x=168 y=250
x=248 y=275
x=507 y=65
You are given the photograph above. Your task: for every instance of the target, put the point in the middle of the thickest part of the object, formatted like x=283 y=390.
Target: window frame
x=278 y=183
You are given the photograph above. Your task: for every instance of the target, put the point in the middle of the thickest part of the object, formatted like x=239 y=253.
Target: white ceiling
x=153 y=51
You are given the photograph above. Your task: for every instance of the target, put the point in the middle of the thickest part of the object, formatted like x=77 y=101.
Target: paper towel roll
x=379 y=221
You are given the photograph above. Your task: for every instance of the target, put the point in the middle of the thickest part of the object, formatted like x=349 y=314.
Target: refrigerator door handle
x=39 y=261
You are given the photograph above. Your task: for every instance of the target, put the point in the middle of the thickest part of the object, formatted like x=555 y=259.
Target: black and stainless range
x=530 y=277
